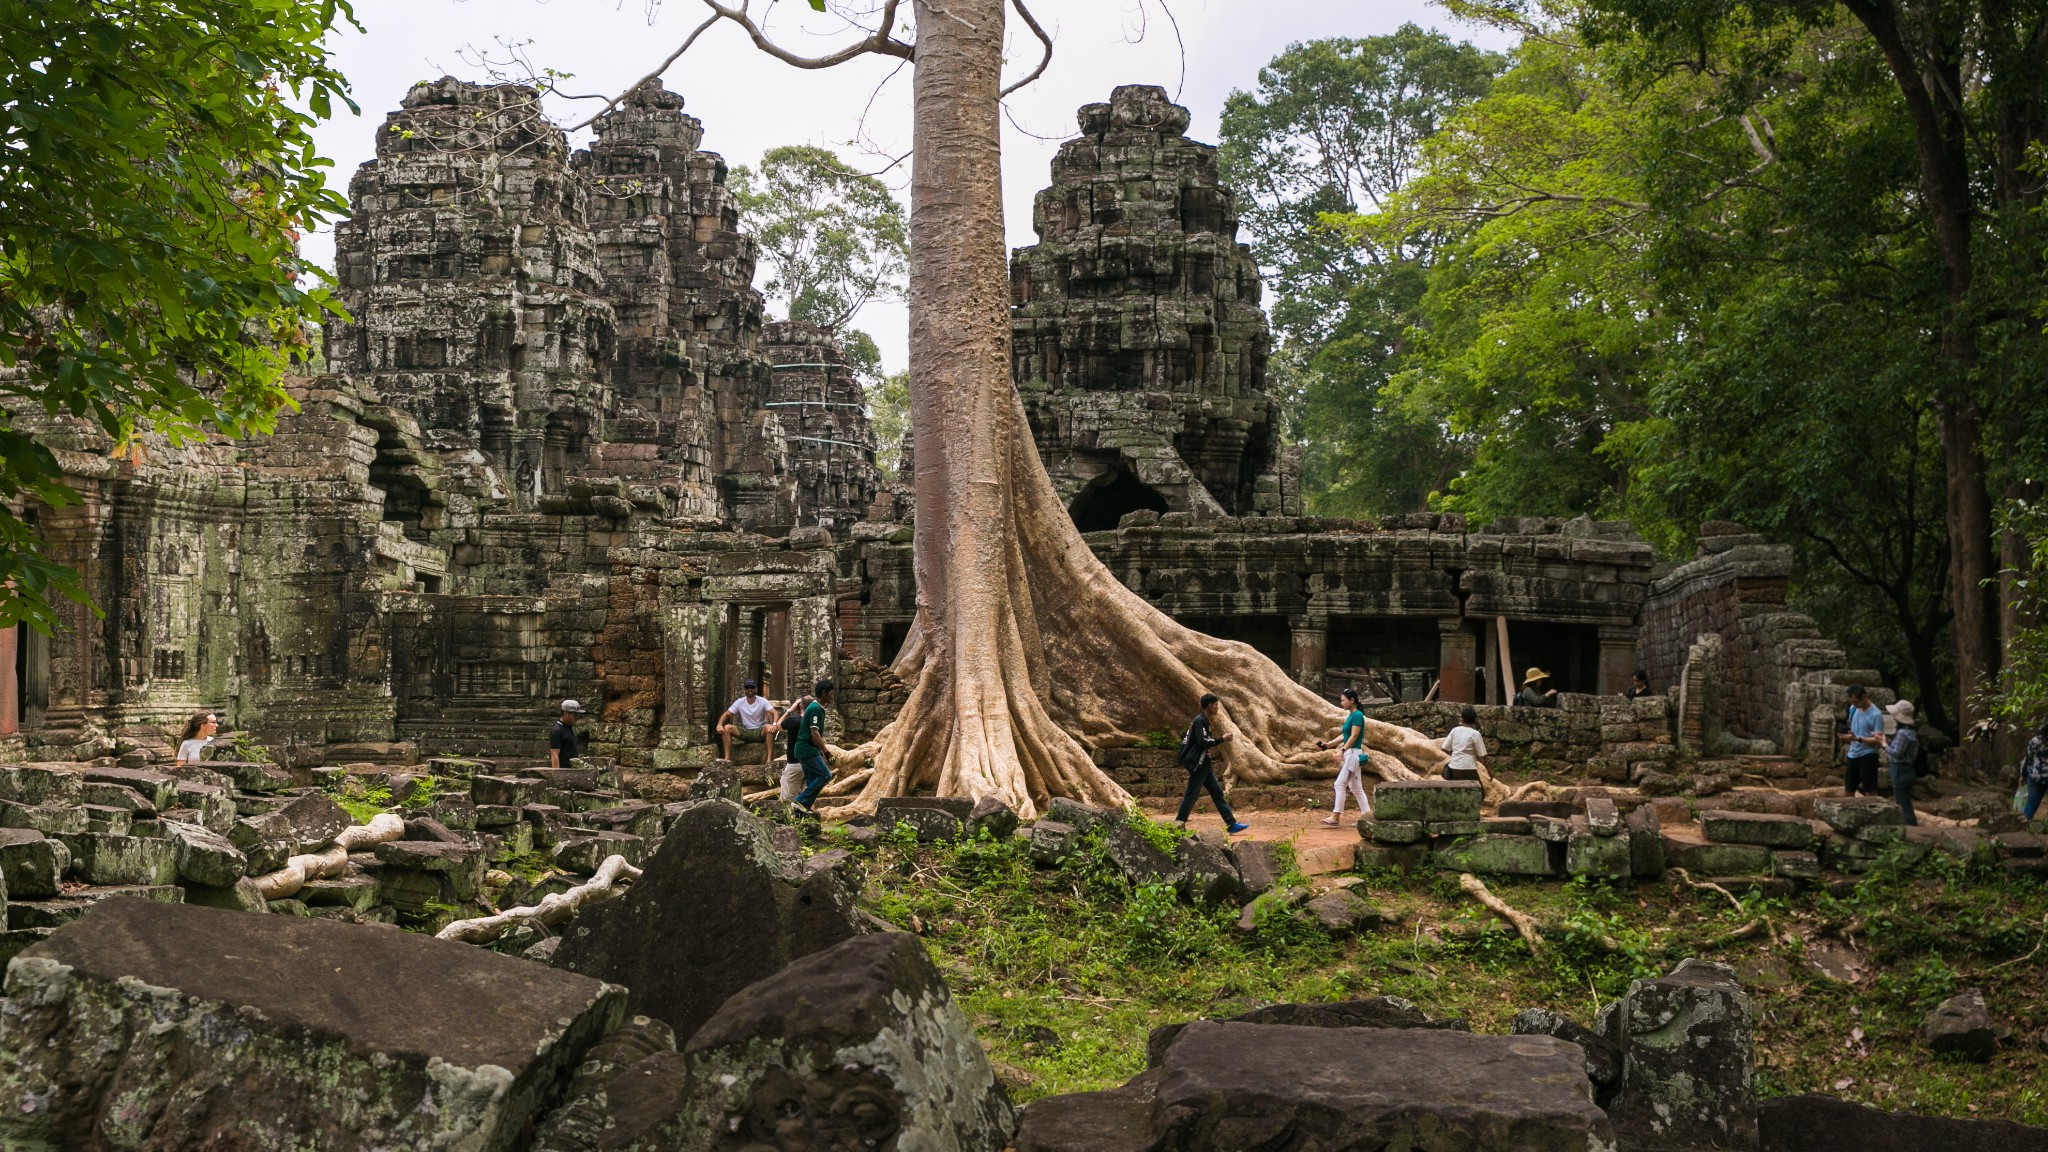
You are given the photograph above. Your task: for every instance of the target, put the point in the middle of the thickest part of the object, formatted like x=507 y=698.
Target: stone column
x=1617 y=657
x=1457 y=652
x=1310 y=652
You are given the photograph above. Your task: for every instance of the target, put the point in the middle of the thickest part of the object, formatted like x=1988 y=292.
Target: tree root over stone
x=332 y=861
x=551 y=911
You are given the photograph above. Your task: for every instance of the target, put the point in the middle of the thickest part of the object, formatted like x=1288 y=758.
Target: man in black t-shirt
x=563 y=745
x=1201 y=769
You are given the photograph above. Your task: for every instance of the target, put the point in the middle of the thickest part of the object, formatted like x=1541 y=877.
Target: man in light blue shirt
x=1866 y=742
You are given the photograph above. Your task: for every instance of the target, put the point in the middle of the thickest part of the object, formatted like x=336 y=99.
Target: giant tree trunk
x=1027 y=652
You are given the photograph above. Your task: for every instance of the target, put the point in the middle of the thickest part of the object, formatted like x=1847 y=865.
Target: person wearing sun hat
x=563 y=745
x=1902 y=752
x=1536 y=690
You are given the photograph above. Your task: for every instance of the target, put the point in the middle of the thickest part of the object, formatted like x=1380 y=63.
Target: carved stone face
x=844 y=1110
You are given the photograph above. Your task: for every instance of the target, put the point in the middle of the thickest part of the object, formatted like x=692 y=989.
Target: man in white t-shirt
x=748 y=721
x=1466 y=746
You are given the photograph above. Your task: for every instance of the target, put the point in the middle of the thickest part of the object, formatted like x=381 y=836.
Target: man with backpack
x=1194 y=756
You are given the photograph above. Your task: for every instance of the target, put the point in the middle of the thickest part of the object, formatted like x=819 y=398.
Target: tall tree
x=833 y=238
x=1027 y=652
x=1334 y=128
x=156 y=169
x=1970 y=75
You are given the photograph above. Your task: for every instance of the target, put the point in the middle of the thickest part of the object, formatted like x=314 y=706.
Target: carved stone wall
x=1140 y=347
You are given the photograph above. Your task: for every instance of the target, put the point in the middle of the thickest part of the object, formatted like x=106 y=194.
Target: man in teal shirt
x=1866 y=740
x=809 y=748
x=1350 y=772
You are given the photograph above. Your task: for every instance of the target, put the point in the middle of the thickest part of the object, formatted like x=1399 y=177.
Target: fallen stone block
x=31 y=863
x=993 y=816
x=1961 y=1026
x=1443 y=829
x=1795 y=865
x=1719 y=859
x=583 y=854
x=304 y=824
x=1587 y=853
x=1079 y=816
x=1825 y=1124
x=502 y=791
x=1221 y=1087
x=1645 y=843
x=359 y=892
x=1342 y=912
x=99 y=859
x=461 y=864
x=1852 y=814
x=243 y=896
x=1402 y=858
x=1205 y=873
x=1052 y=842
x=1260 y=864
x=715 y=910
x=1602 y=817
x=39 y=785
x=935 y=819
x=1551 y=829
x=157 y=789
x=253 y=776
x=108 y=820
x=1371 y=1012
x=50 y=821
x=1507 y=826
x=316 y=1035
x=205 y=858
x=1393 y=831
x=1603 y=1058
x=116 y=796
x=1499 y=856
x=62 y=910
x=642 y=820
x=1762 y=828
x=1688 y=1077
x=1428 y=801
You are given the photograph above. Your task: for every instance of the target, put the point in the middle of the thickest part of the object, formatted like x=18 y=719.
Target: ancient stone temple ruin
x=559 y=452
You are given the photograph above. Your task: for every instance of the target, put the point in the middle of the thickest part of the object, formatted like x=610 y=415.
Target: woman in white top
x=198 y=736
x=1466 y=746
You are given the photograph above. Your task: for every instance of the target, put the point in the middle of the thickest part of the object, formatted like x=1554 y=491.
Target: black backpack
x=1190 y=750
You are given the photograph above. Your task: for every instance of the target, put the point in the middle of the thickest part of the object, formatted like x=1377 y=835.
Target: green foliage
x=2022 y=697
x=1333 y=128
x=1166 y=838
x=889 y=415
x=1158 y=739
x=158 y=169
x=364 y=806
x=832 y=238
x=242 y=746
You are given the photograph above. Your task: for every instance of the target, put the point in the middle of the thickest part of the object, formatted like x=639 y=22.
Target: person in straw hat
x=1903 y=752
x=1536 y=690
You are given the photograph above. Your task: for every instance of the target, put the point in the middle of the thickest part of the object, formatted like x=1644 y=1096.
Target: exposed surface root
x=1476 y=888
x=552 y=910
x=332 y=861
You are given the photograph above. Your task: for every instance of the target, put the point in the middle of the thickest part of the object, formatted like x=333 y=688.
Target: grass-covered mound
x=1065 y=970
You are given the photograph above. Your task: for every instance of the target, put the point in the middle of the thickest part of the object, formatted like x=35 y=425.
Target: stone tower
x=831 y=445
x=691 y=382
x=1140 y=347
x=474 y=288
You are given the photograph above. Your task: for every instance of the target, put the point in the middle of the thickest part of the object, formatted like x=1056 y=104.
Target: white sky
x=750 y=102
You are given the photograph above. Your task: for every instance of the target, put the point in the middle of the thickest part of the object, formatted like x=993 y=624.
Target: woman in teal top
x=1349 y=774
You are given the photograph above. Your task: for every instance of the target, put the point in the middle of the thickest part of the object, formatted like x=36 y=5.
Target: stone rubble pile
x=735 y=999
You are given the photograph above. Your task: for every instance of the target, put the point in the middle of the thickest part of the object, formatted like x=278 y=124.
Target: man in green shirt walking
x=809 y=749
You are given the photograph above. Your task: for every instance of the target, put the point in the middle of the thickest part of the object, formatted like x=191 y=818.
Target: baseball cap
x=571 y=706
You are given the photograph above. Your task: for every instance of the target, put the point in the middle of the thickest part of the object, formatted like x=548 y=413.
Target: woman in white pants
x=1352 y=740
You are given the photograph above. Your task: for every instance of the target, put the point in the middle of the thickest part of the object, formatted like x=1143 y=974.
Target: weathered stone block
x=133 y=1002
x=1393 y=831
x=584 y=854
x=1052 y=842
x=1763 y=828
x=1342 y=912
x=31 y=863
x=55 y=913
x=37 y=785
x=503 y=791
x=1852 y=814
x=1222 y=1086
x=1795 y=865
x=933 y=821
x=1602 y=817
x=1719 y=859
x=48 y=820
x=461 y=865
x=1429 y=801
x=1456 y=828
x=98 y=859
x=204 y=858
x=1688 y=1075
x=1601 y=857
x=1498 y=855
x=359 y=892
x=1645 y=843
x=1825 y=1124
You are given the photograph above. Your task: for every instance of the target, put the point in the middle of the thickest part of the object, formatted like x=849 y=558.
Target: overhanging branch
x=1045 y=58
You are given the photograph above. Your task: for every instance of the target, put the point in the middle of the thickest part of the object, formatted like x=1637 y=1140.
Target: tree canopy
x=833 y=238
x=156 y=169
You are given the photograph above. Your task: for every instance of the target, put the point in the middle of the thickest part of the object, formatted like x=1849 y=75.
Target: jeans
x=1902 y=790
x=1860 y=775
x=2035 y=789
x=817 y=774
x=1200 y=778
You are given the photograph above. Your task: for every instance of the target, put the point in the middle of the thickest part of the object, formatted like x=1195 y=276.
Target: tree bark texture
x=1027 y=652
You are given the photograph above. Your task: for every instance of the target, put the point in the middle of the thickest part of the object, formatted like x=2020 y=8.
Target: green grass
x=1064 y=971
